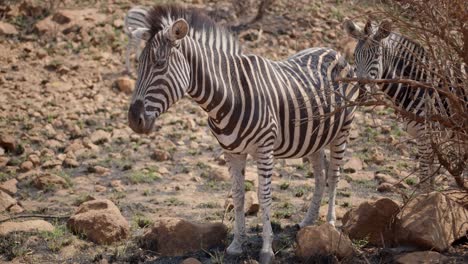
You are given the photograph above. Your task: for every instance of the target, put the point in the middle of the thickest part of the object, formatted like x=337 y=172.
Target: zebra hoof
x=234 y=250
x=267 y=257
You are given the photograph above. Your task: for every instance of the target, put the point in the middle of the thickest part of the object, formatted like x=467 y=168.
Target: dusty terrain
x=58 y=100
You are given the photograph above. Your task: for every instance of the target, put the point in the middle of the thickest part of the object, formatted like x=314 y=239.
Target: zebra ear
x=141 y=33
x=178 y=30
x=384 y=30
x=352 y=29
x=368 y=28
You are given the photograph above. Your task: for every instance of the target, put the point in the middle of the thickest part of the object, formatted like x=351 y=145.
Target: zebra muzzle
x=137 y=119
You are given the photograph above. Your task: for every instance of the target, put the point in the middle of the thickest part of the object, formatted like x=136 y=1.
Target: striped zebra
x=382 y=54
x=135 y=18
x=255 y=106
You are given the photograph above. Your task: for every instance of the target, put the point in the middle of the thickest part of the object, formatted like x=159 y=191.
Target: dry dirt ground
x=57 y=91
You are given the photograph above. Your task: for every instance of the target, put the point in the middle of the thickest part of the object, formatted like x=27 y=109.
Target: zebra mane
x=201 y=26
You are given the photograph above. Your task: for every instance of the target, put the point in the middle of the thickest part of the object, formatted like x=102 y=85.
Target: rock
x=363 y=176
x=34 y=159
x=70 y=163
x=26 y=166
x=8 y=143
x=176 y=237
x=373 y=221
x=6 y=201
x=161 y=155
x=377 y=157
x=385 y=187
x=421 y=257
x=353 y=165
x=99 y=137
x=382 y=178
x=4 y=161
x=323 y=240
x=219 y=174
x=48 y=180
x=26 y=226
x=16 y=209
x=99 y=170
x=74 y=147
x=100 y=221
x=191 y=261
x=432 y=222
x=9 y=186
x=117 y=185
x=251 y=205
x=124 y=84
x=458 y=196
x=7 y=29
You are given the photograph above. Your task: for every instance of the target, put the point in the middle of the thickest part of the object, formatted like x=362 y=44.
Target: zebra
x=383 y=54
x=135 y=18
x=256 y=106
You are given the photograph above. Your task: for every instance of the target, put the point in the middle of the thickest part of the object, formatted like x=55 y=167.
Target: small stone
x=219 y=174
x=34 y=159
x=124 y=84
x=70 y=163
x=421 y=257
x=99 y=188
x=99 y=137
x=353 y=165
x=385 y=187
x=48 y=180
x=26 y=226
x=191 y=261
x=117 y=185
x=6 y=201
x=9 y=186
x=16 y=209
x=161 y=155
x=27 y=166
x=8 y=143
x=118 y=23
x=7 y=29
x=100 y=170
x=251 y=203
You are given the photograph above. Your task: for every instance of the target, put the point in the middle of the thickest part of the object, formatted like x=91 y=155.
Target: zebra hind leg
x=236 y=165
x=317 y=162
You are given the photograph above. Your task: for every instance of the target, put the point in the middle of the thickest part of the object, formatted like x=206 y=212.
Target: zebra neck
x=212 y=78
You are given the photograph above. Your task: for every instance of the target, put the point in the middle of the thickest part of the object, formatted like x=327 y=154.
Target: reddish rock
x=7 y=29
x=26 y=166
x=421 y=257
x=48 y=180
x=8 y=143
x=6 y=201
x=26 y=226
x=353 y=165
x=323 y=240
x=176 y=237
x=9 y=186
x=373 y=221
x=100 y=136
x=160 y=155
x=251 y=203
x=432 y=221
x=100 y=221
x=385 y=187
x=191 y=261
x=124 y=84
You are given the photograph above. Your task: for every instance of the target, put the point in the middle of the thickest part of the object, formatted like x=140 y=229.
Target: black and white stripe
x=134 y=19
x=256 y=106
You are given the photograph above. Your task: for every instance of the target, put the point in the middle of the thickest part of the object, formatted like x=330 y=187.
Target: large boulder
x=6 y=201
x=432 y=221
x=8 y=143
x=48 y=180
x=26 y=226
x=9 y=186
x=100 y=221
x=373 y=221
x=323 y=240
x=176 y=237
x=7 y=29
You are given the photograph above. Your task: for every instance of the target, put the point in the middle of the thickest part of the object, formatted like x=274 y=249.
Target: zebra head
x=368 y=54
x=163 y=75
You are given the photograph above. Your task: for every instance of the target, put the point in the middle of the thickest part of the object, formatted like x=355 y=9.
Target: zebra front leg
x=265 y=168
x=317 y=162
x=236 y=165
x=337 y=152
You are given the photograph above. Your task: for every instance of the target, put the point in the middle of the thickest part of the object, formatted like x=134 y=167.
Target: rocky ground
x=66 y=148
